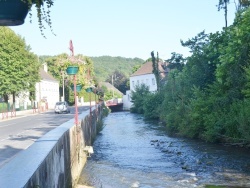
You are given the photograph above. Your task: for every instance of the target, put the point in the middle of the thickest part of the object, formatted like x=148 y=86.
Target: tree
x=196 y=44
x=138 y=97
x=119 y=81
x=19 y=68
x=57 y=66
x=155 y=64
x=106 y=65
x=240 y=5
x=234 y=58
x=152 y=104
x=223 y=5
x=243 y=4
x=200 y=67
x=176 y=61
x=135 y=68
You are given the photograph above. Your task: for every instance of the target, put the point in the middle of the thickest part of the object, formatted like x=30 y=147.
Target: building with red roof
x=144 y=75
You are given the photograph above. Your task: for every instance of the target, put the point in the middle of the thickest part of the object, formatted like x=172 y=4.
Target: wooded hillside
x=104 y=66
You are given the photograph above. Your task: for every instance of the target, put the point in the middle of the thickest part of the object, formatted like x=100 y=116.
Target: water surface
x=130 y=152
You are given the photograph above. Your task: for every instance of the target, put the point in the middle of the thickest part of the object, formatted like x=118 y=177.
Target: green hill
x=104 y=66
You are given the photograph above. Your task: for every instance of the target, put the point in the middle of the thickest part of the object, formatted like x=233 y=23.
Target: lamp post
x=90 y=104
x=63 y=97
x=89 y=90
x=95 y=98
x=76 y=108
x=73 y=71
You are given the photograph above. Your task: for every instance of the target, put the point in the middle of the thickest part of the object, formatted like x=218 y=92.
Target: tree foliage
x=85 y=76
x=19 y=68
x=176 y=61
x=240 y=5
x=106 y=65
x=155 y=64
x=208 y=98
x=151 y=105
x=138 y=97
x=119 y=81
x=100 y=69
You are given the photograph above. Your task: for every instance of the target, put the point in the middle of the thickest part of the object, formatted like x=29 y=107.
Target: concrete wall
x=55 y=160
x=127 y=104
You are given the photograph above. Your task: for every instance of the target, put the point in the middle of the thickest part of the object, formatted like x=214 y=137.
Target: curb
x=19 y=114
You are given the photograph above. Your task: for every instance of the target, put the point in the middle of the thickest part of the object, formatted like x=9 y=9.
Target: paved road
x=19 y=133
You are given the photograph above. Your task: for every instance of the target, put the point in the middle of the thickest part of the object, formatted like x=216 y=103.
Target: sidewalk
x=8 y=115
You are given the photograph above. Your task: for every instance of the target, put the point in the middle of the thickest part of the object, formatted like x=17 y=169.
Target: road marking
x=7 y=125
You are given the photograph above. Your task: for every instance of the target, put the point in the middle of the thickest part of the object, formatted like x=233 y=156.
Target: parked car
x=62 y=107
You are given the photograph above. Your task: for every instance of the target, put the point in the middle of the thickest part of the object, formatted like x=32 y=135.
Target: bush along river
x=130 y=152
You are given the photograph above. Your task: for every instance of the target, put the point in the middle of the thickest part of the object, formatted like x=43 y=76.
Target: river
x=131 y=152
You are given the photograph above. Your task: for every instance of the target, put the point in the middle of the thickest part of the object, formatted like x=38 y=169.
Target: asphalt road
x=19 y=133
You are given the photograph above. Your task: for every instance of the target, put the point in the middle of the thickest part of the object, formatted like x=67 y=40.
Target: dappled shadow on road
x=19 y=140
x=23 y=137
x=7 y=153
x=35 y=127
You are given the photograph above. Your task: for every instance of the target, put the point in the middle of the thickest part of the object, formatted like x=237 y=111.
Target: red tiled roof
x=147 y=68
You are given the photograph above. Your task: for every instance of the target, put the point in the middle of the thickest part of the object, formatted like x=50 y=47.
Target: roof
x=46 y=76
x=110 y=87
x=147 y=68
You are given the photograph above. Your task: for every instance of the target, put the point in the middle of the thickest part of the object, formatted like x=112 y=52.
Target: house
x=47 y=93
x=144 y=75
x=47 y=90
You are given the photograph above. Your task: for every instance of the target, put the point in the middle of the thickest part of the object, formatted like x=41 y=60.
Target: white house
x=47 y=89
x=144 y=75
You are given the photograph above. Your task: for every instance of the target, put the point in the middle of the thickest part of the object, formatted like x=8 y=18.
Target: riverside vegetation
x=207 y=95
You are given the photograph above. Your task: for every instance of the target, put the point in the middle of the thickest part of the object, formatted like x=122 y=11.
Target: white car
x=62 y=107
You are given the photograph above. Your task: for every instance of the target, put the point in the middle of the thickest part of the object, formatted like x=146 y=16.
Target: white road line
x=7 y=125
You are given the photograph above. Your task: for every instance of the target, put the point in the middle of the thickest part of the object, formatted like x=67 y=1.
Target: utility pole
x=63 y=97
x=113 y=85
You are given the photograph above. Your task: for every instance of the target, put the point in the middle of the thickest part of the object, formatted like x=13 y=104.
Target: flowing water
x=130 y=152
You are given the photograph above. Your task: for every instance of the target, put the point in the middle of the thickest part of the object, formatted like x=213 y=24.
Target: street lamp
x=63 y=97
x=72 y=70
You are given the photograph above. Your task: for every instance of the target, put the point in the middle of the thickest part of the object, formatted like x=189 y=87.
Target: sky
x=126 y=28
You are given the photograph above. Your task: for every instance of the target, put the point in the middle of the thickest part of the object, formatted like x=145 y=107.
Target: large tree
x=223 y=5
x=57 y=66
x=19 y=68
x=119 y=81
x=240 y=5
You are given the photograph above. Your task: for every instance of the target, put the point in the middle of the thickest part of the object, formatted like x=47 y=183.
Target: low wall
x=57 y=158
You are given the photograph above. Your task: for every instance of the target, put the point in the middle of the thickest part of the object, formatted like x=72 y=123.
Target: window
x=153 y=81
x=133 y=83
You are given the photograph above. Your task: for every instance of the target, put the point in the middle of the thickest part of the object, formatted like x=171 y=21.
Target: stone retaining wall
x=56 y=159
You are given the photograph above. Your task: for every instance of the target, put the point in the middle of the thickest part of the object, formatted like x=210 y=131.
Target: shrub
x=138 y=97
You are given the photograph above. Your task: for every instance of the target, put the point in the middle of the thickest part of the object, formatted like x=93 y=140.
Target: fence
x=9 y=109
